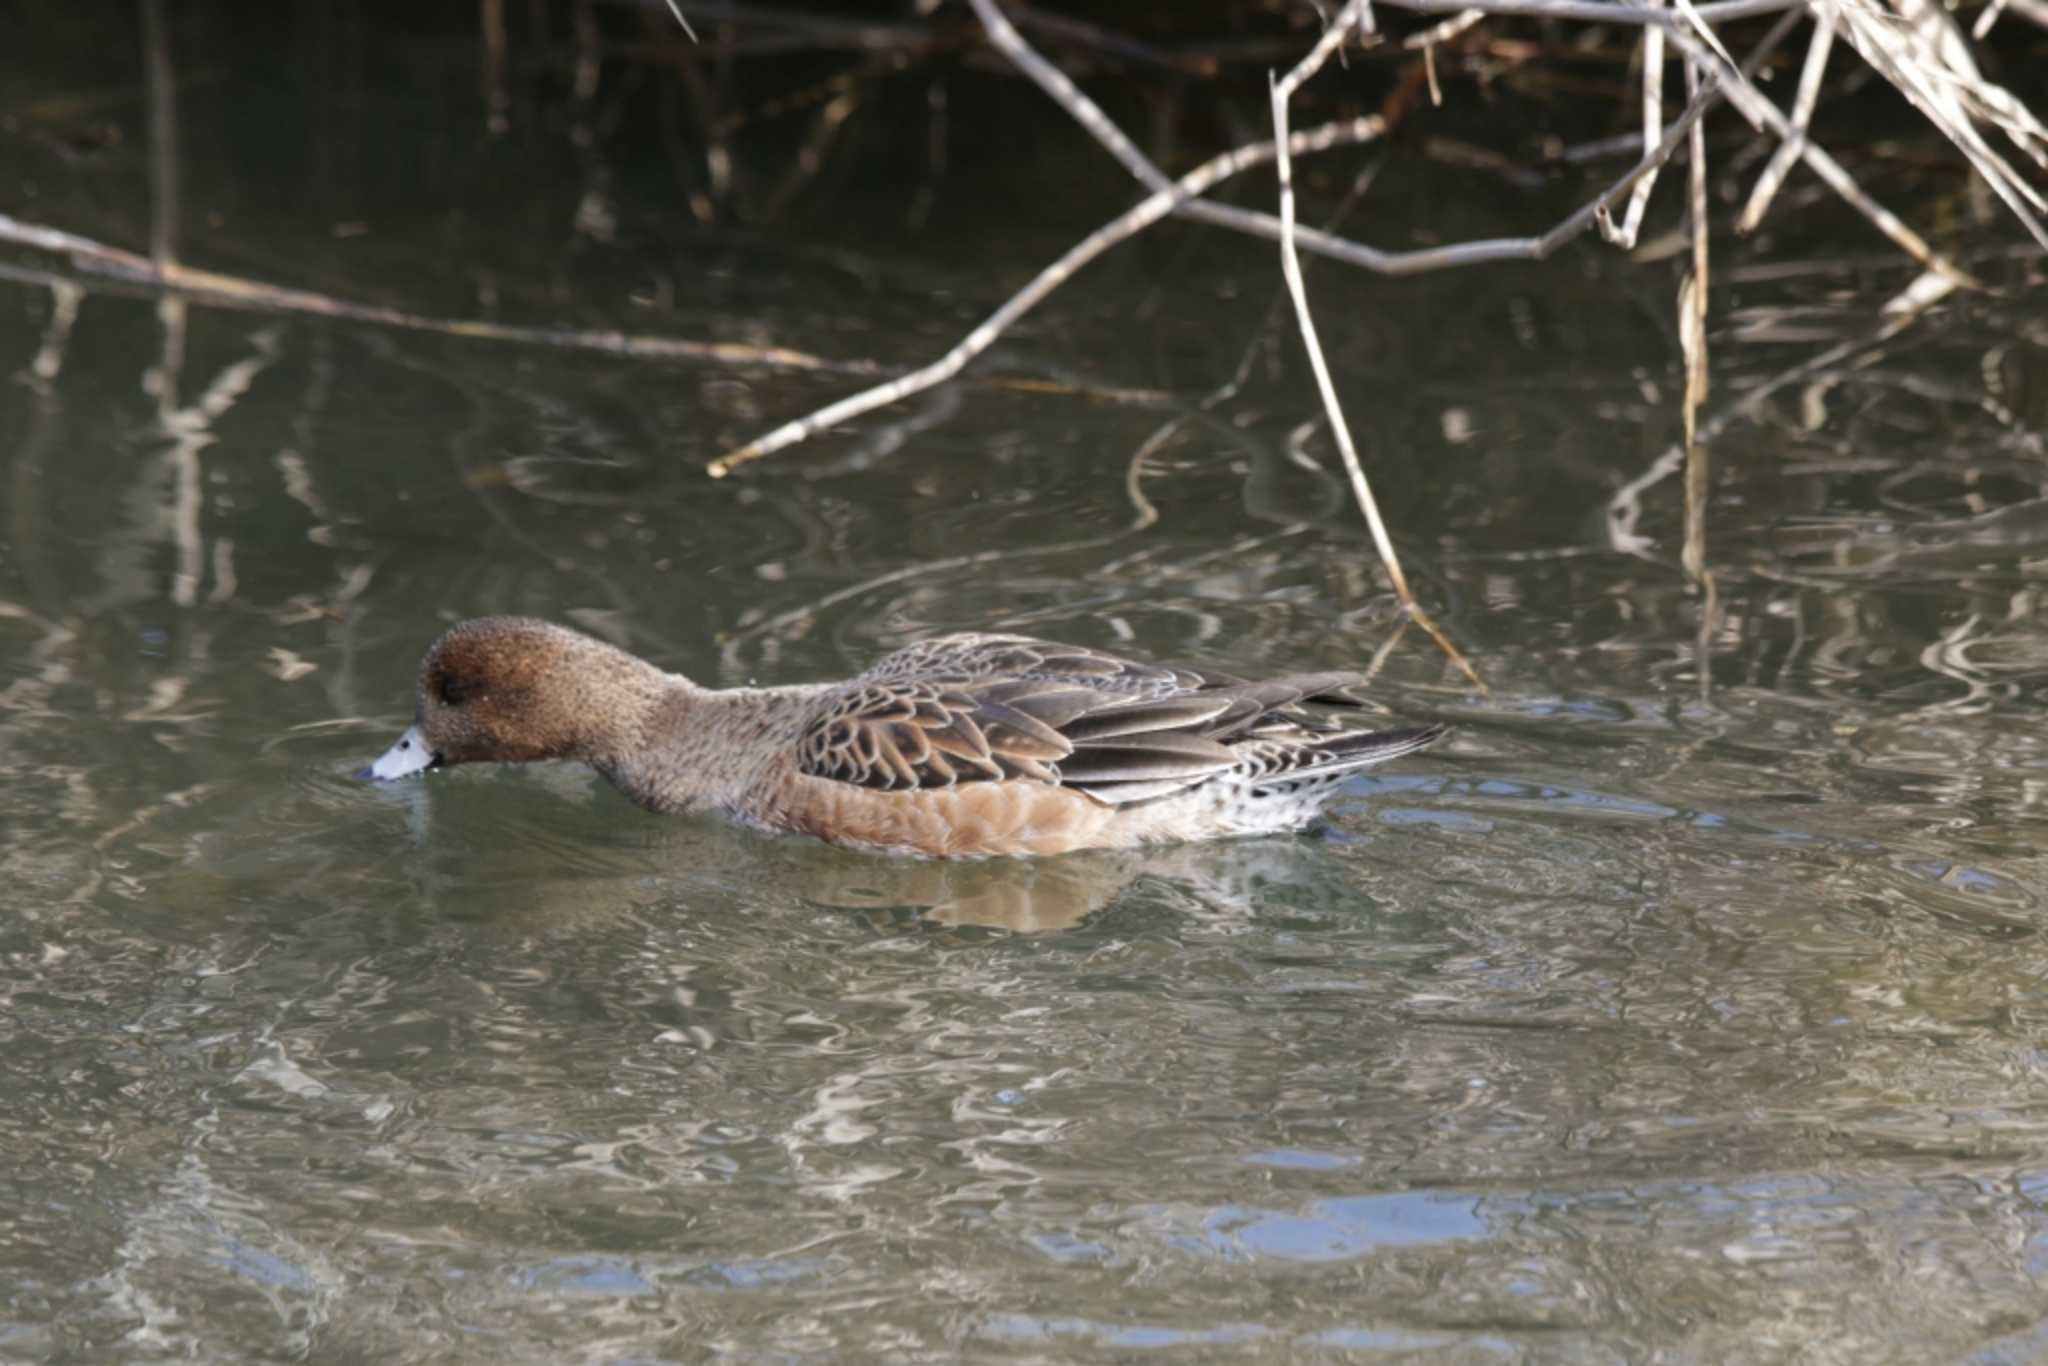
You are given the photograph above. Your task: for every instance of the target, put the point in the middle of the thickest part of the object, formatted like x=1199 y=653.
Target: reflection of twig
x=730 y=642
x=1290 y=265
x=1624 y=507
x=49 y=362
x=1385 y=651
x=886 y=439
x=232 y=291
x=497 y=99
x=803 y=168
x=191 y=431
x=585 y=72
x=28 y=523
x=1119 y=229
x=1135 y=474
x=189 y=436
x=161 y=381
x=1949 y=657
x=163 y=134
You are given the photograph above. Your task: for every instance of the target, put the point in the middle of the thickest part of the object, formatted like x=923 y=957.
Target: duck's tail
x=1363 y=748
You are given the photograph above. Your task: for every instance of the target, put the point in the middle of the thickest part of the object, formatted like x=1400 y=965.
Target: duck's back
x=973 y=745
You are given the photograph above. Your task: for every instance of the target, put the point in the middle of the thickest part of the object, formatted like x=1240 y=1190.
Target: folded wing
x=976 y=708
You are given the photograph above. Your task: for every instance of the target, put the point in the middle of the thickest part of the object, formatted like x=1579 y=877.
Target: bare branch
x=1802 y=115
x=677 y=11
x=1624 y=236
x=1090 y=116
x=1126 y=225
x=1290 y=266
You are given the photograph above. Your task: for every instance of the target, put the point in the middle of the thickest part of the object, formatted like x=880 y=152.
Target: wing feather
x=959 y=737
x=1148 y=758
x=1192 y=713
x=982 y=708
x=1125 y=794
x=1013 y=733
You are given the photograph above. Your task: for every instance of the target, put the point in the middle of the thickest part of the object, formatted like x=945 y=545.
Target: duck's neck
x=691 y=748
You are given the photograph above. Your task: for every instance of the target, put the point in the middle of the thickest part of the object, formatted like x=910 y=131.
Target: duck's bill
x=410 y=755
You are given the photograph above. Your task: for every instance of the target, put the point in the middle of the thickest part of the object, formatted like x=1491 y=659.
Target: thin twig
x=1121 y=228
x=1624 y=236
x=1443 y=32
x=1604 y=11
x=1700 y=45
x=1689 y=27
x=677 y=11
x=1802 y=116
x=1692 y=324
x=1089 y=115
x=1290 y=265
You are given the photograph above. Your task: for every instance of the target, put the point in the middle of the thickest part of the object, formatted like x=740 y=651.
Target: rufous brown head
x=511 y=690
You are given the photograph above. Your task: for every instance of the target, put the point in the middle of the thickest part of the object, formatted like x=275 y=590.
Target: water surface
x=1687 y=1002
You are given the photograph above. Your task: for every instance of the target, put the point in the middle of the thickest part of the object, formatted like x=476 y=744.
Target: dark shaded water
x=1682 y=1004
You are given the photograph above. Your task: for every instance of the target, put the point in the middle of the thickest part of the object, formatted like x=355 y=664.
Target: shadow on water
x=1684 y=1002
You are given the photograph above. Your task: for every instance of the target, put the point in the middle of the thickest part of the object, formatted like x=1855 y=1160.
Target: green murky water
x=1690 y=1001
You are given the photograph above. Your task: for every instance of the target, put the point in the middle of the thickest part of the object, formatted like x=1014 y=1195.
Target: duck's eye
x=453 y=691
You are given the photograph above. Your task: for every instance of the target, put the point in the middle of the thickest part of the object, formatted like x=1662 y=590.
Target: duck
x=970 y=745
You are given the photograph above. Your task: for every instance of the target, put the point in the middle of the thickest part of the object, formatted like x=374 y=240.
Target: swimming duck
x=961 y=746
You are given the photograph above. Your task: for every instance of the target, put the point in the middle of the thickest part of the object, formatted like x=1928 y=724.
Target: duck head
x=518 y=690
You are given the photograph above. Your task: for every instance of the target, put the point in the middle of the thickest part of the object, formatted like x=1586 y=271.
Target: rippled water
x=1680 y=1004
